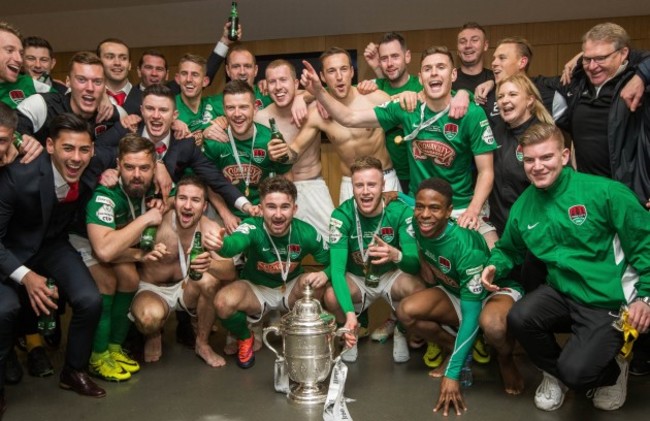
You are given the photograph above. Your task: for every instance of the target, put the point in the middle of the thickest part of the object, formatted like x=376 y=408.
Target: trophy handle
x=339 y=332
x=271 y=329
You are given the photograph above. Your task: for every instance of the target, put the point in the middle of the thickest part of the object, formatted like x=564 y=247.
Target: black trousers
x=9 y=310
x=587 y=359
x=59 y=260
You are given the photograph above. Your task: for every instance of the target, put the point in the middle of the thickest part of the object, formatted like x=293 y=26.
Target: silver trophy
x=308 y=343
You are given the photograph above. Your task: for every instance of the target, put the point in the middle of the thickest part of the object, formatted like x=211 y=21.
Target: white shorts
x=172 y=295
x=483 y=216
x=270 y=298
x=391 y=183
x=370 y=295
x=455 y=301
x=315 y=204
x=82 y=245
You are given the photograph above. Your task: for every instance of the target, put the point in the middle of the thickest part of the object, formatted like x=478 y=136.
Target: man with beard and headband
x=87 y=84
x=165 y=283
x=373 y=254
x=273 y=277
x=116 y=217
x=438 y=144
x=458 y=304
x=314 y=202
x=244 y=160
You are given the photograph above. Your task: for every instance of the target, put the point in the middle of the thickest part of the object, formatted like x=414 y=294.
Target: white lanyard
x=128 y=199
x=247 y=181
x=184 y=261
x=364 y=252
x=424 y=124
x=284 y=271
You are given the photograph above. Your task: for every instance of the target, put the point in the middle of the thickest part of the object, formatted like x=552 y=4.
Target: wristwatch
x=643 y=299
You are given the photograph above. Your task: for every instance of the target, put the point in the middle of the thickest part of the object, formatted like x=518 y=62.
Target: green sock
x=238 y=325
x=100 y=342
x=95 y=356
x=120 y=322
x=363 y=318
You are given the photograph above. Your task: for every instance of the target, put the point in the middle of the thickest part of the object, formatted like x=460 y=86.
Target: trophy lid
x=307 y=313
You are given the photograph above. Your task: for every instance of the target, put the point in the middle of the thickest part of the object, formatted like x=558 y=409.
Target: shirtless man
x=165 y=284
x=314 y=202
x=349 y=143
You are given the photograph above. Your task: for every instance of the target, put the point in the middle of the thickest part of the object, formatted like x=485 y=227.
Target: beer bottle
x=47 y=322
x=197 y=249
x=275 y=134
x=234 y=23
x=148 y=238
x=18 y=140
x=372 y=277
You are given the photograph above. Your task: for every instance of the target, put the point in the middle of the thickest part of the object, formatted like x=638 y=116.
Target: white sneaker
x=256 y=330
x=231 y=345
x=401 y=353
x=549 y=395
x=383 y=332
x=351 y=355
x=609 y=398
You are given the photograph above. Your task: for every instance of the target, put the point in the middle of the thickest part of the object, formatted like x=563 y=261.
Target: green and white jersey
x=199 y=120
x=14 y=93
x=256 y=164
x=398 y=152
x=445 y=148
x=262 y=266
x=109 y=207
x=261 y=101
x=457 y=258
x=590 y=231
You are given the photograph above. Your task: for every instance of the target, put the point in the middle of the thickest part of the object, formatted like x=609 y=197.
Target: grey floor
x=182 y=387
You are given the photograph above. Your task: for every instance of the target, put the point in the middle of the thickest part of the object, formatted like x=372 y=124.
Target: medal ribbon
x=424 y=124
x=235 y=153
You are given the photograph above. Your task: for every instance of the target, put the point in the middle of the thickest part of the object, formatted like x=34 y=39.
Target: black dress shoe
x=38 y=363
x=80 y=382
x=13 y=369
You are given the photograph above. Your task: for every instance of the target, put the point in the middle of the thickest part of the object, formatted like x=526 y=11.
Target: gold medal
x=398 y=139
x=283 y=288
x=247 y=191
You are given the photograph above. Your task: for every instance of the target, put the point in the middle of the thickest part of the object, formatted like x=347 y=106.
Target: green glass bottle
x=234 y=22
x=197 y=248
x=148 y=238
x=18 y=140
x=47 y=322
x=276 y=134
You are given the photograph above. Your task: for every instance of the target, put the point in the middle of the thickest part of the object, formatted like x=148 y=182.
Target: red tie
x=119 y=97
x=73 y=193
x=160 y=150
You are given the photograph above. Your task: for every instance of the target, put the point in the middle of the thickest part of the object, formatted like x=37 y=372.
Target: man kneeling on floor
x=166 y=276
x=594 y=236
x=272 y=278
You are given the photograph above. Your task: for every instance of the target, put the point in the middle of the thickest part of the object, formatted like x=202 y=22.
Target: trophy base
x=303 y=394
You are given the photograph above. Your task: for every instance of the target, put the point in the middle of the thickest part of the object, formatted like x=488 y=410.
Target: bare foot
x=438 y=372
x=512 y=379
x=207 y=354
x=153 y=348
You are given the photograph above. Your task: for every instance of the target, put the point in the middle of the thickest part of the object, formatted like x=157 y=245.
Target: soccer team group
x=463 y=204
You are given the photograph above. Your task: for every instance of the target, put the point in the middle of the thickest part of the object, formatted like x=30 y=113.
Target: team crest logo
x=17 y=96
x=99 y=129
x=450 y=131
x=294 y=251
x=578 y=214
x=258 y=104
x=444 y=263
x=387 y=234
x=519 y=153
x=259 y=155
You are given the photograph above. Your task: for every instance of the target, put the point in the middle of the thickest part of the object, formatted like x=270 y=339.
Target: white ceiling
x=80 y=24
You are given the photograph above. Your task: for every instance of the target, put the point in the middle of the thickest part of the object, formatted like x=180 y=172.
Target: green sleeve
x=239 y=241
x=322 y=255
x=100 y=210
x=480 y=132
x=338 y=262
x=388 y=115
x=410 y=256
x=510 y=250
x=470 y=311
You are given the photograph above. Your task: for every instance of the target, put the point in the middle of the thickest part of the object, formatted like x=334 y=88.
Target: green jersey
x=262 y=266
x=254 y=162
x=199 y=120
x=398 y=152
x=111 y=207
x=14 y=93
x=591 y=232
x=444 y=148
x=393 y=226
x=261 y=101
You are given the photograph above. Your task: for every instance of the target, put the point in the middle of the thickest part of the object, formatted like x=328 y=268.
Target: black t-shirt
x=470 y=82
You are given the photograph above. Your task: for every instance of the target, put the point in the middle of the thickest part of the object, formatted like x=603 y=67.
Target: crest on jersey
x=387 y=234
x=17 y=96
x=450 y=131
x=444 y=263
x=99 y=129
x=259 y=155
x=519 y=153
x=294 y=251
x=578 y=214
